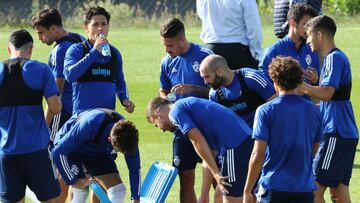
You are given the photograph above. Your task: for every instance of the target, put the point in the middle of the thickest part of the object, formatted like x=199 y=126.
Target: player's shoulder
x=253 y=76
x=201 y=49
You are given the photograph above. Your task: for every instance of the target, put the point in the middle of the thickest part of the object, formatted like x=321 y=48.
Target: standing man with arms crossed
x=335 y=158
x=232 y=29
x=179 y=77
x=294 y=45
x=24 y=156
x=287 y=132
x=49 y=27
x=82 y=149
x=228 y=138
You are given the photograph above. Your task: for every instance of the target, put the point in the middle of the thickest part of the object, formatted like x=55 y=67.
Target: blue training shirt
x=338 y=116
x=56 y=63
x=290 y=125
x=75 y=138
x=255 y=81
x=90 y=95
x=221 y=127
x=286 y=47
x=183 y=69
x=23 y=128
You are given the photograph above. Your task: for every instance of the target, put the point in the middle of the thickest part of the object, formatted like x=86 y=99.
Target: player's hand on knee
x=221 y=181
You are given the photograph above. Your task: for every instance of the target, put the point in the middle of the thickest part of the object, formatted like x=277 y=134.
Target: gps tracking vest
x=247 y=102
x=13 y=89
x=98 y=72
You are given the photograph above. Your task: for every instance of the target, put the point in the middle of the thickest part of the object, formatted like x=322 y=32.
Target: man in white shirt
x=232 y=29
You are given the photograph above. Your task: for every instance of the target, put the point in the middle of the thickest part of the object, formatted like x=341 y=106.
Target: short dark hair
x=172 y=28
x=18 y=38
x=298 y=11
x=46 y=18
x=94 y=11
x=124 y=136
x=154 y=104
x=323 y=23
x=286 y=72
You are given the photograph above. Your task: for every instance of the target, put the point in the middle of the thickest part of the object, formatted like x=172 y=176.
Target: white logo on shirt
x=74 y=169
x=174 y=70
x=196 y=66
x=308 y=59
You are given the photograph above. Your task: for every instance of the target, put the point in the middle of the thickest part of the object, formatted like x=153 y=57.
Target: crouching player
x=82 y=149
x=229 y=136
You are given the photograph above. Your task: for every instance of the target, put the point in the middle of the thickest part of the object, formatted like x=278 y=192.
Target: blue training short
x=33 y=170
x=234 y=163
x=334 y=160
x=184 y=154
x=76 y=166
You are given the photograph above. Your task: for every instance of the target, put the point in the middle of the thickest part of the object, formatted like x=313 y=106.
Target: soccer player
x=227 y=137
x=242 y=91
x=24 y=136
x=96 y=78
x=294 y=45
x=179 y=75
x=335 y=158
x=82 y=149
x=49 y=27
x=287 y=132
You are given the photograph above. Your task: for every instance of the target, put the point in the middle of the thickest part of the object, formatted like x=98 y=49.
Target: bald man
x=241 y=90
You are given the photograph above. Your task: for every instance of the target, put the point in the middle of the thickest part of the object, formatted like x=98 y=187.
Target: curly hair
x=286 y=72
x=94 y=11
x=124 y=136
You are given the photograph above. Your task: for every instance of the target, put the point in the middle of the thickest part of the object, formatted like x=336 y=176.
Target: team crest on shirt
x=177 y=161
x=308 y=59
x=196 y=66
x=74 y=169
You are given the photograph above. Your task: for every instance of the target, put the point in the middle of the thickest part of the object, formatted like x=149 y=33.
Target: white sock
x=117 y=193
x=79 y=195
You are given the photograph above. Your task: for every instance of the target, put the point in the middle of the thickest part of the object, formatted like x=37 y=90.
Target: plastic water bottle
x=99 y=192
x=171 y=97
x=105 y=48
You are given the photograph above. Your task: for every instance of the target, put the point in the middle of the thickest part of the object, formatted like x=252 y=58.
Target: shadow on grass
x=356 y=166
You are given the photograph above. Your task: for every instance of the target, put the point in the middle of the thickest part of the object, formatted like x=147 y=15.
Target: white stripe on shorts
x=329 y=153
x=66 y=167
x=230 y=165
x=55 y=126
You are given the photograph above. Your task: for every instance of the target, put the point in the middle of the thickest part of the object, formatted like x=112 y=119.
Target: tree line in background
x=138 y=12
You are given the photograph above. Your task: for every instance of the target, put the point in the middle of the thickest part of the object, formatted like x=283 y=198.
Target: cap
x=20 y=37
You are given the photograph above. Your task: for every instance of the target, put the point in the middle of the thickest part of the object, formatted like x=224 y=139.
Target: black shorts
x=33 y=170
x=237 y=55
x=272 y=196
x=334 y=160
x=184 y=154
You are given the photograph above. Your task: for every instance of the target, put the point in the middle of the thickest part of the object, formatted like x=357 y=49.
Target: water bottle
x=105 y=48
x=99 y=192
x=171 y=97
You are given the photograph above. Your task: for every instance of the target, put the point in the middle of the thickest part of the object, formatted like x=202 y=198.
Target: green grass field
x=142 y=52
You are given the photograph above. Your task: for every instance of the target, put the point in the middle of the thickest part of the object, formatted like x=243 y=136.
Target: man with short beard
x=294 y=45
x=242 y=91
